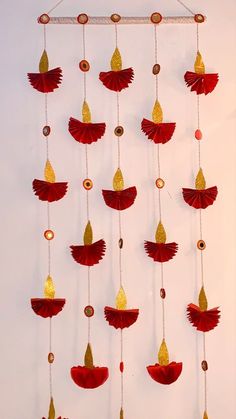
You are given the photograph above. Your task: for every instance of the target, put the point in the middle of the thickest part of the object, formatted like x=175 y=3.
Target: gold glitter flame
x=88 y=234
x=200 y=182
x=205 y=416
x=160 y=233
x=118 y=181
x=43 y=63
x=202 y=300
x=163 y=355
x=51 y=413
x=157 y=114
x=49 y=289
x=86 y=114
x=121 y=413
x=116 y=61
x=49 y=174
x=199 y=66
x=88 y=357
x=121 y=300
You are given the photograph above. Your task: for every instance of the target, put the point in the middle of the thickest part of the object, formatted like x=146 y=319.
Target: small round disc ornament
x=201 y=245
x=156 y=69
x=119 y=131
x=156 y=18
x=160 y=183
x=46 y=130
x=82 y=18
x=89 y=311
x=199 y=18
x=51 y=357
x=87 y=184
x=115 y=17
x=49 y=234
x=84 y=66
x=44 y=19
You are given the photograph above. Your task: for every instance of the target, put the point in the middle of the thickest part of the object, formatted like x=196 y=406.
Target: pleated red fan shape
x=84 y=132
x=89 y=254
x=201 y=83
x=161 y=252
x=200 y=198
x=204 y=321
x=48 y=191
x=57 y=418
x=159 y=133
x=120 y=200
x=89 y=377
x=165 y=374
x=120 y=318
x=47 y=307
x=117 y=80
x=46 y=82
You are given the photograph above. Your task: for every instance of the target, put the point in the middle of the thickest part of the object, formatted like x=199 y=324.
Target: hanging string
x=50 y=351
x=186 y=7
x=54 y=7
x=89 y=302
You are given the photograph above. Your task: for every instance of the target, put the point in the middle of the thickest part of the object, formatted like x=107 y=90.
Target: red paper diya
x=164 y=372
x=200 y=197
x=200 y=317
x=48 y=306
x=117 y=79
x=199 y=81
x=160 y=251
x=120 y=198
x=120 y=317
x=45 y=81
x=49 y=190
x=156 y=130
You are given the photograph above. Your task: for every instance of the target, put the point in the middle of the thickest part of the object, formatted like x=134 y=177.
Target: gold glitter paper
x=116 y=61
x=86 y=114
x=88 y=234
x=202 y=300
x=205 y=416
x=49 y=174
x=88 y=357
x=118 y=181
x=121 y=413
x=200 y=182
x=51 y=413
x=157 y=114
x=160 y=233
x=199 y=66
x=163 y=355
x=43 y=63
x=121 y=300
x=49 y=289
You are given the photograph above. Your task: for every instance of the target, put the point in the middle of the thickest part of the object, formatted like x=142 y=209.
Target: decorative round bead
x=49 y=234
x=82 y=18
x=199 y=18
x=204 y=365
x=156 y=17
x=121 y=242
x=44 y=18
x=51 y=357
x=163 y=293
x=87 y=184
x=121 y=366
x=198 y=134
x=201 y=245
x=119 y=131
x=156 y=69
x=160 y=183
x=84 y=65
x=115 y=18
x=89 y=311
x=46 y=130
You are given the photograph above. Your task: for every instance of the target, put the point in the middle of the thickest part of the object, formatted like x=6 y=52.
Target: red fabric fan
x=165 y=374
x=159 y=133
x=47 y=81
x=47 y=307
x=120 y=200
x=89 y=254
x=89 y=377
x=117 y=80
x=200 y=198
x=120 y=318
x=86 y=133
x=49 y=191
x=203 y=320
x=161 y=252
x=201 y=83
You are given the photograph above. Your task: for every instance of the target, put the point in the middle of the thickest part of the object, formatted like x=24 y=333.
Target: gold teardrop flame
x=121 y=413
x=88 y=234
x=51 y=413
x=116 y=60
x=88 y=357
x=86 y=114
x=199 y=66
x=205 y=416
x=118 y=181
x=202 y=300
x=200 y=182
x=49 y=174
x=163 y=355
x=43 y=63
x=157 y=114
x=49 y=288
x=160 y=233
x=121 y=300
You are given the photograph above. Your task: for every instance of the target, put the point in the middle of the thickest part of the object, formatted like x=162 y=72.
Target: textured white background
x=24 y=346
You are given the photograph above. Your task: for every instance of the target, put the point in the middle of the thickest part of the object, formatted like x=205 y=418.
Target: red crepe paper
x=161 y=252
x=48 y=191
x=205 y=320
x=86 y=133
x=120 y=318
x=47 y=307
x=46 y=82
x=120 y=200
x=117 y=80
x=89 y=377
x=200 y=198
x=57 y=418
x=158 y=132
x=165 y=374
x=201 y=83
x=89 y=254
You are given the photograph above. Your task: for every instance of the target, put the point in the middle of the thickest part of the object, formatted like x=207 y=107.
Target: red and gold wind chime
x=48 y=190
x=120 y=198
x=89 y=253
x=164 y=371
x=202 y=318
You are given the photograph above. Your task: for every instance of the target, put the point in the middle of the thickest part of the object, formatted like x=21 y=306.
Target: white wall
x=24 y=346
